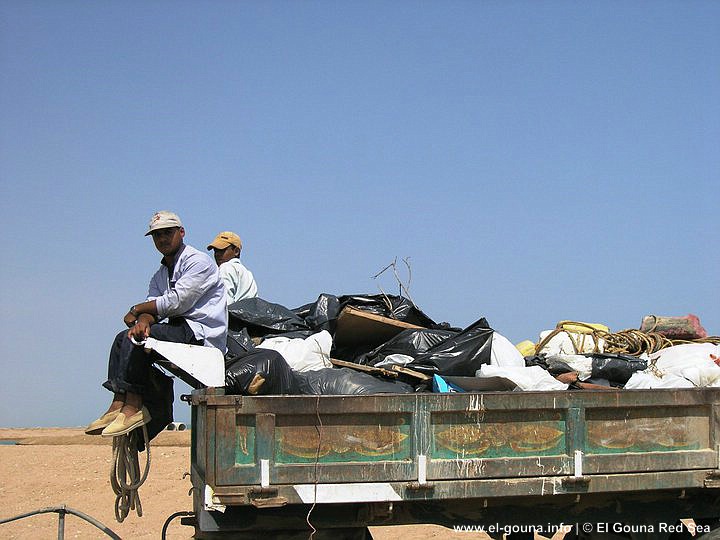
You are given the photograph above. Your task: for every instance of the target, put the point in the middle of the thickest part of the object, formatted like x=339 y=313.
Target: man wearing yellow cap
x=238 y=280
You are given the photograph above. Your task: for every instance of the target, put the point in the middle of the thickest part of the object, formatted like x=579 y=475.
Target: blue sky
x=536 y=161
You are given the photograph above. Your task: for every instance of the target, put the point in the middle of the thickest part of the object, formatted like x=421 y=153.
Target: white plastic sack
x=702 y=375
x=691 y=360
x=308 y=354
x=395 y=360
x=526 y=378
x=643 y=380
x=562 y=343
x=681 y=366
x=686 y=354
x=505 y=354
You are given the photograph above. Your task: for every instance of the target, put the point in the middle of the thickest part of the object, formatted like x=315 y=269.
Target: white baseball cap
x=163 y=220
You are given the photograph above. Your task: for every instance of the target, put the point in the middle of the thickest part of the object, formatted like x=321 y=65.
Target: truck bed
x=452 y=458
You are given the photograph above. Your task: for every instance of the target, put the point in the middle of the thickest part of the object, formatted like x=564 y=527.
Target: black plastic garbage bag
x=616 y=368
x=607 y=369
x=261 y=317
x=347 y=382
x=260 y=372
x=551 y=365
x=411 y=342
x=460 y=355
x=238 y=344
x=321 y=314
x=394 y=307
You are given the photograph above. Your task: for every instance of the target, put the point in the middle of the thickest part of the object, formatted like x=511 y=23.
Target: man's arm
x=149 y=308
x=228 y=277
x=198 y=276
x=140 y=318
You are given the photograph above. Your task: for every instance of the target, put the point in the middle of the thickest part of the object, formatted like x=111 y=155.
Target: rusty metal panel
x=343 y=473
x=642 y=438
x=649 y=461
x=343 y=438
x=198 y=445
x=513 y=467
x=244 y=441
x=344 y=447
x=204 y=437
x=465 y=438
x=494 y=443
x=647 y=429
x=512 y=487
x=500 y=435
x=318 y=405
x=715 y=427
x=495 y=434
x=306 y=441
x=237 y=460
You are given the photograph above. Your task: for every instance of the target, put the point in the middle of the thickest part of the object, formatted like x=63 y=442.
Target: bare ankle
x=117 y=403
x=129 y=410
x=133 y=403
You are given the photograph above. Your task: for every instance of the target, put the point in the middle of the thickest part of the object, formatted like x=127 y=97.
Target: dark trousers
x=129 y=364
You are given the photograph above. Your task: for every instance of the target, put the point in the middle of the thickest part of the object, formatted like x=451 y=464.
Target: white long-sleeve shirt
x=238 y=280
x=194 y=292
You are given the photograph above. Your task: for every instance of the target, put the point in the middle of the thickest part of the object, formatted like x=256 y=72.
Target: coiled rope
x=125 y=476
x=631 y=342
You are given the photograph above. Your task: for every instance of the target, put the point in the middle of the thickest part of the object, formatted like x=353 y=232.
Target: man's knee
x=120 y=336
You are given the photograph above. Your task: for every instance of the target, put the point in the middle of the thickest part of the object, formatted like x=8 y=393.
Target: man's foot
x=123 y=424
x=96 y=426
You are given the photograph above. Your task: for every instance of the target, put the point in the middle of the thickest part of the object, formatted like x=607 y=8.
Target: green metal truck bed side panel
x=386 y=438
x=343 y=439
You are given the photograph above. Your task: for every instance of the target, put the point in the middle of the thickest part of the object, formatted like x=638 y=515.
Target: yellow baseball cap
x=225 y=239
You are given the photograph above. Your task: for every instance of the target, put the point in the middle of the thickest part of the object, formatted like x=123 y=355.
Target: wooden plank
x=411 y=372
x=372 y=370
x=357 y=327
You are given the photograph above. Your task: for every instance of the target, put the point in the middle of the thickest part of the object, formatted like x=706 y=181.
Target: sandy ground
x=62 y=466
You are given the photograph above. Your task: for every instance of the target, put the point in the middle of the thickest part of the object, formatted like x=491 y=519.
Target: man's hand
x=140 y=331
x=145 y=311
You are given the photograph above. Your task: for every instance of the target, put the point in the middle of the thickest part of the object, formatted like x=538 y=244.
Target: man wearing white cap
x=185 y=304
x=239 y=281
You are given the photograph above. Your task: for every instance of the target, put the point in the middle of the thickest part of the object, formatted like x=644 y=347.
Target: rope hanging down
x=125 y=477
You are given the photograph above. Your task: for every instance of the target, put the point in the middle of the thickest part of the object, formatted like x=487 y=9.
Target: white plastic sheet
x=643 y=380
x=309 y=354
x=526 y=378
x=204 y=364
x=681 y=366
x=395 y=360
x=504 y=353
